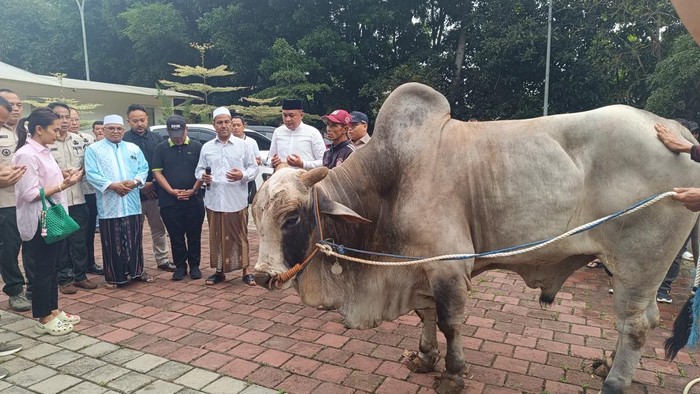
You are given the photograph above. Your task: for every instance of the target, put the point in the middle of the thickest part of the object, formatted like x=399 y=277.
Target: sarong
x=122 y=248
x=228 y=240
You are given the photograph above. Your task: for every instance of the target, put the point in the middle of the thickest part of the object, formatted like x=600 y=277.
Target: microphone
x=207 y=171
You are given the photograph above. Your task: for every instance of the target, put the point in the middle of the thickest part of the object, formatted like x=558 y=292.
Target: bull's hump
x=409 y=113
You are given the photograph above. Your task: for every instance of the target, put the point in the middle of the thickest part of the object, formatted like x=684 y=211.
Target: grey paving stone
x=130 y=382
x=99 y=349
x=105 y=374
x=17 y=364
x=85 y=388
x=29 y=332
x=27 y=343
x=145 y=363
x=38 y=351
x=57 y=339
x=170 y=370
x=188 y=390
x=59 y=358
x=15 y=390
x=4 y=385
x=79 y=342
x=121 y=356
x=160 y=387
x=197 y=378
x=225 y=385
x=10 y=319
x=30 y=376
x=8 y=336
x=20 y=325
x=255 y=389
x=81 y=366
x=55 y=384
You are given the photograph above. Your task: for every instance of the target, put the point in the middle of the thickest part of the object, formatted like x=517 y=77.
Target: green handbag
x=56 y=224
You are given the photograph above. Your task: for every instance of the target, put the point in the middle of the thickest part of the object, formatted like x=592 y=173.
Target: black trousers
x=184 y=223
x=45 y=258
x=672 y=273
x=73 y=262
x=91 y=202
x=9 y=251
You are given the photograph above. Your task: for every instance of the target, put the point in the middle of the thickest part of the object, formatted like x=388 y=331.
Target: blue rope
x=341 y=249
x=694 y=334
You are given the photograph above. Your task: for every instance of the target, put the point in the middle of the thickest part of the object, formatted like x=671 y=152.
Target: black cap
x=176 y=126
x=292 y=104
x=359 y=117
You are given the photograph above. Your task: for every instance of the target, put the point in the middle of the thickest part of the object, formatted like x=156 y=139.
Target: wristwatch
x=138 y=183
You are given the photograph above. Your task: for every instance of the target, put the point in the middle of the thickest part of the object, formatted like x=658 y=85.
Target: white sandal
x=54 y=327
x=68 y=318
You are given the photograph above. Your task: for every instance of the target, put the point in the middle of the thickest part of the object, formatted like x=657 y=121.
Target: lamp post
x=81 y=6
x=549 y=51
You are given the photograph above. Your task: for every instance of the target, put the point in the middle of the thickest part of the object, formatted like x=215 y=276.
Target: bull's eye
x=291 y=221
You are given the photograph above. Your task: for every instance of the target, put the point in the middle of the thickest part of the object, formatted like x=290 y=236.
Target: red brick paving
x=268 y=338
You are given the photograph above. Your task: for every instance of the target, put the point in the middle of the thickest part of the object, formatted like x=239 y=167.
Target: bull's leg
x=637 y=313
x=428 y=354
x=450 y=298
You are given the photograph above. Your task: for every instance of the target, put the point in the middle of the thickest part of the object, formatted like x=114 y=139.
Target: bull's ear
x=338 y=211
x=314 y=176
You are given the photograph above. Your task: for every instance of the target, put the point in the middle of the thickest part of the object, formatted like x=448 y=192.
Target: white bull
x=430 y=185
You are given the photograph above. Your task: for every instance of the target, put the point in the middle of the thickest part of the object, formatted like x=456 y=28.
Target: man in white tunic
x=226 y=164
x=295 y=142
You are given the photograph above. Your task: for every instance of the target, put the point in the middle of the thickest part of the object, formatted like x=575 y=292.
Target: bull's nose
x=262 y=279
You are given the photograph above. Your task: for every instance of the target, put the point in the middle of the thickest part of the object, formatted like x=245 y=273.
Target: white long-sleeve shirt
x=224 y=195
x=304 y=141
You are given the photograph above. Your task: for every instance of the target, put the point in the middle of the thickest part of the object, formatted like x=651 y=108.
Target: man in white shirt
x=295 y=142
x=226 y=164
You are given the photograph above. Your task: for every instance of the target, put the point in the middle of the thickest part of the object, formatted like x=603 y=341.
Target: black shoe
x=96 y=269
x=167 y=266
x=195 y=273
x=179 y=274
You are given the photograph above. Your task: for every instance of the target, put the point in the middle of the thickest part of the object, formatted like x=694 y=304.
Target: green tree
x=675 y=82
x=155 y=31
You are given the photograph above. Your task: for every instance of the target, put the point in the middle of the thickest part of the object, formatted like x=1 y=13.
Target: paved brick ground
x=272 y=340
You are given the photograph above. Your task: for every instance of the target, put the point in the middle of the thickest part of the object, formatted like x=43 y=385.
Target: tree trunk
x=459 y=58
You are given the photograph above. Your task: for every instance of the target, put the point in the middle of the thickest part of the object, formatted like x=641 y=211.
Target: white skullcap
x=221 y=111
x=114 y=119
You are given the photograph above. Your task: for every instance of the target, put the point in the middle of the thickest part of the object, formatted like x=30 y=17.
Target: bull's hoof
x=449 y=384
x=602 y=367
x=419 y=362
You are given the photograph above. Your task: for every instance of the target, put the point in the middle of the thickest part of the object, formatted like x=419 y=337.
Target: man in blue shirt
x=117 y=169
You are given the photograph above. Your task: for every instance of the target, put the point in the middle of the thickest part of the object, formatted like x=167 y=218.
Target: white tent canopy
x=113 y=98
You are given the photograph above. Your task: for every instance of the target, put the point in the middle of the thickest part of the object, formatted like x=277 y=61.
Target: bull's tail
x=681 y=331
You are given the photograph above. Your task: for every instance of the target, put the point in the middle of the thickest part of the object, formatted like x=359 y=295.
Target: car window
x=263 y=143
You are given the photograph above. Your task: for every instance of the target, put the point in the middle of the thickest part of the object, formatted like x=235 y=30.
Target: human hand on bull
x=276 y=160
x=234 y=175
x=689 y=196
x=295 y=161
x=672 y=140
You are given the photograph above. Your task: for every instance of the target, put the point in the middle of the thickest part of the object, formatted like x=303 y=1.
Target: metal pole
x=549 y=51
x=85 y=51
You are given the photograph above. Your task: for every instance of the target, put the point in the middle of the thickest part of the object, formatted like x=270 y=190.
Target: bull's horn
x=312 y=177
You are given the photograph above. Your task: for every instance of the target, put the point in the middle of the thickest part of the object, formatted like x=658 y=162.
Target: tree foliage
x=487 y=57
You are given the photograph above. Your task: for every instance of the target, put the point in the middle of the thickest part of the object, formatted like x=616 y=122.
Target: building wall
x=111 y=102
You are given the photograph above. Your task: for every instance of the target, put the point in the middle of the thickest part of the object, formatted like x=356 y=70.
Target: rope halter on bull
x=335 y=250
x=338 y=251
